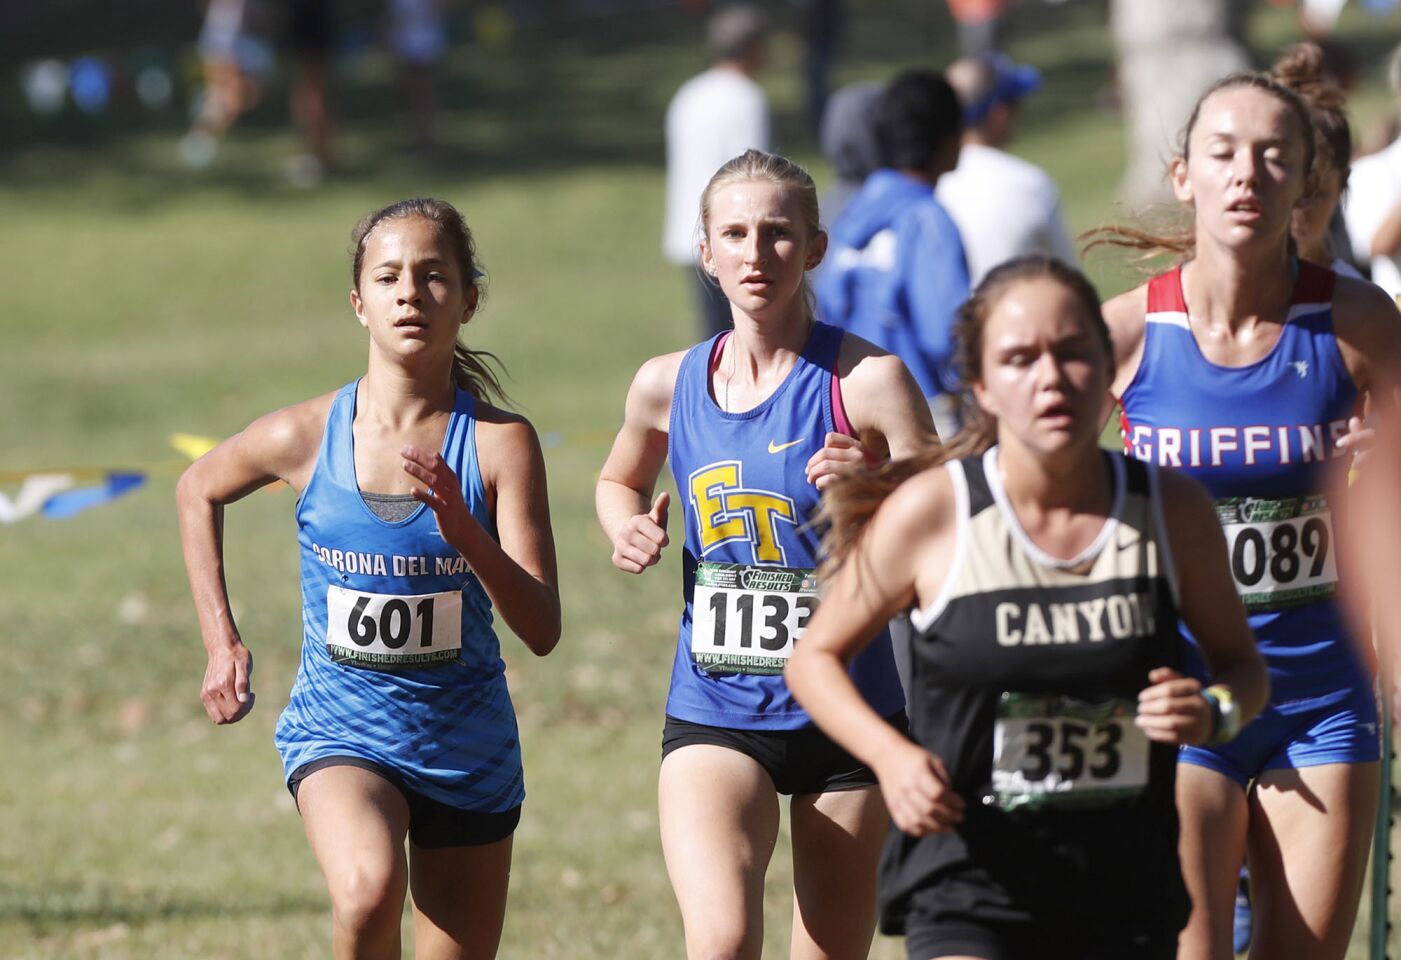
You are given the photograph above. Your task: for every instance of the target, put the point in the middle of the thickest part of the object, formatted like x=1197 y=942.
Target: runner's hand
x=1358 y=440
x=227 y=691
x=1172 y=709
x=918 y=792
x=639 y=543
x=839 y=454
x=442 y=493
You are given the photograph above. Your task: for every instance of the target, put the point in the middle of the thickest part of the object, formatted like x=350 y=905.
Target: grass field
x=142 y=301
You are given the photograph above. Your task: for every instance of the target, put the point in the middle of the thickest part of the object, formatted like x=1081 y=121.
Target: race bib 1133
x=746 y=619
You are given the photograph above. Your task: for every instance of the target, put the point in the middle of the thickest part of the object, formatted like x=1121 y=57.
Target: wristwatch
x=1225 y=714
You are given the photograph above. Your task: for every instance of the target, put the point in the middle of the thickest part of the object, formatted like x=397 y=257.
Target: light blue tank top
x=1258 y=437
x=400 y=665
x=749 y=557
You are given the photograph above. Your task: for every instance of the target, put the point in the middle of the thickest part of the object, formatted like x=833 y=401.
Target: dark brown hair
x=850 y=501
x=1180 y=242
x=1302 y=68
x=471 y=369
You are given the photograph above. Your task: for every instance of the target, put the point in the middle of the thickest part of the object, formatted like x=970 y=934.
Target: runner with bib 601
x=421 y=508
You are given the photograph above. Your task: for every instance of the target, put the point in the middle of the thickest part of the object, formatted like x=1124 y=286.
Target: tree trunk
x=1169 y=51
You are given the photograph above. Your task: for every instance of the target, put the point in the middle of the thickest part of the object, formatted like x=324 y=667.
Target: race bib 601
x=391 y=632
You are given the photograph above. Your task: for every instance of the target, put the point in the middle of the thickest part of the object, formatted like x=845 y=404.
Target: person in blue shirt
x=421 y=507
x=896 y=272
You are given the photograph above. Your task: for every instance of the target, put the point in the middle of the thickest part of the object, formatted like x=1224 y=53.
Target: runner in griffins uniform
x=754 y=422
x=1034 y=811
x=421 y=508
x=1243 y=368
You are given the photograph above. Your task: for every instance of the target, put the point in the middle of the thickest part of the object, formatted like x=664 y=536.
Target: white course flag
x=33 y=494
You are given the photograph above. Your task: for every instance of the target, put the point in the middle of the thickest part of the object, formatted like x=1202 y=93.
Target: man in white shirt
x=1372 y=205
x=713 y=118
x=1004 y=206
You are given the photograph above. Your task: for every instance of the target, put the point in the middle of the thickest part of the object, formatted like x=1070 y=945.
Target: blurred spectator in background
x=849 y=144
x=713 y=118
x=233 y=55
x=981 y=25
x=311 y=36
x=896 y=272
x=1373 y=205
x=1004 y=206
x=418 y=37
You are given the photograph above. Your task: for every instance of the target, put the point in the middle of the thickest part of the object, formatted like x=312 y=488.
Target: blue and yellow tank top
x=750 y=555
x=399 y=662
x=1258 y=437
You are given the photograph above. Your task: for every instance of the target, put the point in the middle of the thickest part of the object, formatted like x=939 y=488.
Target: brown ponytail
x=472 y=370
x=1302 y=68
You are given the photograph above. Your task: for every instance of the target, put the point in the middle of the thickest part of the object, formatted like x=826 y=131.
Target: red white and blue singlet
x=750 y=553
x=1259 y=437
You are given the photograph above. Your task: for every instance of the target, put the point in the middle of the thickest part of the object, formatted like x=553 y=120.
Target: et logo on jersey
x=727 y=511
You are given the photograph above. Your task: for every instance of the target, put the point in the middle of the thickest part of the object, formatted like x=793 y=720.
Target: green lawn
x=143 y=300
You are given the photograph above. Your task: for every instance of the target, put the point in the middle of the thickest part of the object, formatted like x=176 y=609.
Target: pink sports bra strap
x=839 y=419
x=718 y=349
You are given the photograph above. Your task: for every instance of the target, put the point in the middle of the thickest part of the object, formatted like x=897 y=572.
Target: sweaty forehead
x=1035 y=310
x=754 y=199
x=1246 y=113
x=406 y=235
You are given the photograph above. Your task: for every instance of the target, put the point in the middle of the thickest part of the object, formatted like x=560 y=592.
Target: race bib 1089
x=1059 y=751
x=1281 y=550
x=390 y=632
x=746 y=619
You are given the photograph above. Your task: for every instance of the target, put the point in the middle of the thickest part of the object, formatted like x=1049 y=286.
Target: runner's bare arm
x=910 y=534
x=1368 y=328
x=1125 y=315
x=634 y=523
x=518 y=570
x=886 y=409
x=279 y=446
x=1208 y=603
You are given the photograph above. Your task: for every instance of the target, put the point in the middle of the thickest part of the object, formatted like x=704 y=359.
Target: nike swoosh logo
x=776 y=447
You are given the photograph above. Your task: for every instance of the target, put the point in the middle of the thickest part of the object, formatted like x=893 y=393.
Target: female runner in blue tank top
x=754 y=423
x=1243 y=367
x=420 y=509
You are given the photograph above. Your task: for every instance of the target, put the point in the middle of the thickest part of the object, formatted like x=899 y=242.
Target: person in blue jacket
x=896 y=271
